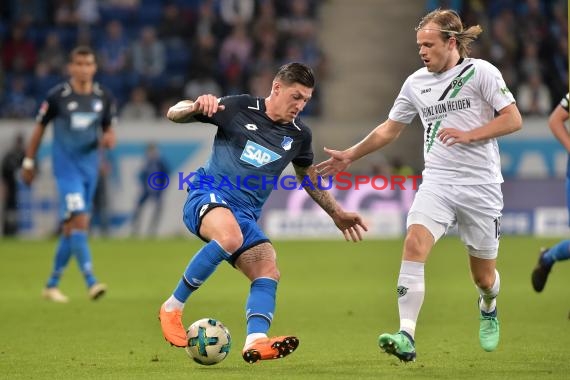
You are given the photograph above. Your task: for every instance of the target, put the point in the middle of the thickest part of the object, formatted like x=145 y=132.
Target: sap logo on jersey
x=257 y=155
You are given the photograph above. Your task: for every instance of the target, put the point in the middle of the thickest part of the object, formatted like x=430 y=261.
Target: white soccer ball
x=209 y=341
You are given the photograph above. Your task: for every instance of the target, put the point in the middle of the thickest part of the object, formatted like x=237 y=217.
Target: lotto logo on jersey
x=258 y=155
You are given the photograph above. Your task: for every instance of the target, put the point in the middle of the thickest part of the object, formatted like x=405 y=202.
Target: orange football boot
x=269 y=348
x=172 y=327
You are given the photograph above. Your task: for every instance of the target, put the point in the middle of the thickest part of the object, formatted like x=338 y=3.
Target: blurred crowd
x=151 y=53
x=527 y=40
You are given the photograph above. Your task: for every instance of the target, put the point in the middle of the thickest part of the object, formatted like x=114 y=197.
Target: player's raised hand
x=337 y=163
x=207 y=105
x=351 y=225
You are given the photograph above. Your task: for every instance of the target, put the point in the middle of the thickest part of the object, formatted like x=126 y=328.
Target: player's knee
x=484 y=281
x=414 y=248
x=76 y=222
x=270 y=272
x=259 y=269
x=230 y=242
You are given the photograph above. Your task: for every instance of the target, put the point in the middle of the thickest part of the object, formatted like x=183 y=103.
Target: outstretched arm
x=349 y=223
x=556 y=124
x=382 y=135
x=185 y=110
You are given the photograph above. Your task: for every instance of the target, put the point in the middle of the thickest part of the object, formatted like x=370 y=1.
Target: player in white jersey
x=456 y=98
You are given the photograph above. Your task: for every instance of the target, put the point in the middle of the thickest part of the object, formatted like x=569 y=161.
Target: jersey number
x=457 y=83
x=497 y=222
x=74 y=202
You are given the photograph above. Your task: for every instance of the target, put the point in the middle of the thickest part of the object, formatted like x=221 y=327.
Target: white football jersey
x=464 y=97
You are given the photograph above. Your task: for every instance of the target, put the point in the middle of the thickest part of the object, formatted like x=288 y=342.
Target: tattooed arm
x=185 y=110
x=349 y=223
x=322 y=197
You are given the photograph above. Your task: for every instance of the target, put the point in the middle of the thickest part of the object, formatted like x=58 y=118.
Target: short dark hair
x=81 y=50
x=296 y=72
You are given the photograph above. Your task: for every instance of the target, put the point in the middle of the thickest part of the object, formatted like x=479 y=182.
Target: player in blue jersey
x=153 y=163
x=82 y=114
x=256 y=137
x=560 y=251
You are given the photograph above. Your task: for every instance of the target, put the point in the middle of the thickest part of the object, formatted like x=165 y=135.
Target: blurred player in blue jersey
x=82 y=114
x=560 y=251
x=256 y=137
x=153 y=163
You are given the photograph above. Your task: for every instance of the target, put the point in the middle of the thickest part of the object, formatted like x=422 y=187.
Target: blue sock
x=80 y=249
x=260 y=305
x=559 y=252
x=62 y=256
x=202 y=265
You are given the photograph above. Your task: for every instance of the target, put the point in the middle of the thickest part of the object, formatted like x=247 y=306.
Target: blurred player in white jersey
x=456 y=98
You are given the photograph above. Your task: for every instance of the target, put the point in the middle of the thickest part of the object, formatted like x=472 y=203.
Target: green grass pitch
x=335 y=296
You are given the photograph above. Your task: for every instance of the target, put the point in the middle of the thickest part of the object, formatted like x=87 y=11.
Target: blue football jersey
x=250 y=151
x=78 y=121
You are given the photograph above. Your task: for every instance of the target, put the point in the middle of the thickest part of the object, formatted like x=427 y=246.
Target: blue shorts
x=75 y=195
x=199 y=202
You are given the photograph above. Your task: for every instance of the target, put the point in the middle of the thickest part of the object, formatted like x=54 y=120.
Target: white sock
x=488 y=301
x=411 y=290
x=254 y=336
x=173 y=304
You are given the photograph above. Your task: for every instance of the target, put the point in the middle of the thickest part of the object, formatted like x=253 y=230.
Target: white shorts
x=475 y=208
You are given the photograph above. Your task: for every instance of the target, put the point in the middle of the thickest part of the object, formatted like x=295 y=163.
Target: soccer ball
x=209 y=341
